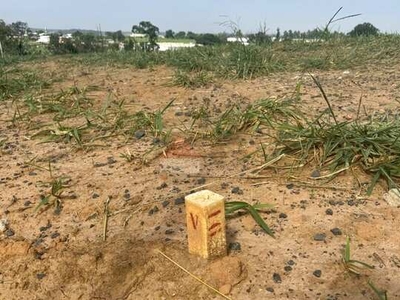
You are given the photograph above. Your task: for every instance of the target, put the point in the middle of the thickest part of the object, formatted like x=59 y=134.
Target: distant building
x=44 y=39
x=242 y=40
x=137 y=35
x=165 y=46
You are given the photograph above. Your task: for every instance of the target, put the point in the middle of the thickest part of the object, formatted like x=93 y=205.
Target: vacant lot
x=97 y=155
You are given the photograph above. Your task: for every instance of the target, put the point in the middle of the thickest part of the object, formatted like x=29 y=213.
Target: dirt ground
x=60 y=253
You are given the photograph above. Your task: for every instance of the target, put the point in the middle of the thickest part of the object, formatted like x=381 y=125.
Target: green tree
x=19 y=28
x=208 y=39
x=151 y=32
x=278 y=35
x=365 y=29
x=169 y=34
x=180 y=35
x=191 y=35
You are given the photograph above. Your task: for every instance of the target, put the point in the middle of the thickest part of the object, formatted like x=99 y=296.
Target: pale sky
x=200 y=15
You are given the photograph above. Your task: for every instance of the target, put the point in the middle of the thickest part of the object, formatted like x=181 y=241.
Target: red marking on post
x=214 y=225
x=215 y=232
x=216 y=213
x=194 y=223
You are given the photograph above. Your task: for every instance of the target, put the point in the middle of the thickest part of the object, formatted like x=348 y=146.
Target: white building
x=164 y=46
x=43 y=39
x=137 y=35
x=242 y=40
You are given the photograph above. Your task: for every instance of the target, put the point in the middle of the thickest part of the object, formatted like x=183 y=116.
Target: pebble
x=139 y=134
x=95 y=195
x=165 y=203
x=153 y=210
x=320 y=237
x=329 y=212
x=235 y=246
x=179 y=201
x=317 y=273
x=270 y=289
x=169 y=231
x=288 y=268
x=282 y=216
x=40 y=276
x=237 y=190
x=277 y=278
x=336 y=231
x=9 y=232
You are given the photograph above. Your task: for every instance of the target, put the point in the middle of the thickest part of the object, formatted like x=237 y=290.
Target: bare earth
x=60 y=254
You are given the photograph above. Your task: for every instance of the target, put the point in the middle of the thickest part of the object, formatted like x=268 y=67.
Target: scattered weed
x=233 y=206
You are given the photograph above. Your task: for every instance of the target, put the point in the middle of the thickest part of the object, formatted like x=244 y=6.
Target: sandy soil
x=60 y=253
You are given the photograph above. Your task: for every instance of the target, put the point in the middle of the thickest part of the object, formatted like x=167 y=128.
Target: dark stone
x=270 y=289
x=162 y=186
x=288 y=268
x=40 y=276
x=320 y=237
x=54 y=235
x=153 y=210
x=237 y=190
x=27 y=203
x=9 y=232
x=329 y=212
x=179 y=201
x=277 y=278
x=139 y=134
x=95 y=195
x=157 y=228
x=290 y=262
x=169 y=231
x=282 y=215
x=336 y=231
x=290 y=186
x=317 y=273
x=201 y=181
x=315 y=173
x=235 y=246
x=165 y=203
x=127 y=196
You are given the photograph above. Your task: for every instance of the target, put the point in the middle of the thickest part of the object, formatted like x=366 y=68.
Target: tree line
x=18 y=38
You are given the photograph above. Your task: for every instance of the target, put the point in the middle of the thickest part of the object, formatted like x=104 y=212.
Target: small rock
x=169 y=231
x=270 y=289
x=282 y=216
x=54 y=235
x=157 y=228
x=317 y=273
x=179 y=201
x=139 y=134
x=153 y=210
x=165 y=203
x=290 y=186
x=329 y=212
x=290 y=262
x=9 y=232
x=315 y=174
x=277 y=278
x=225 y=289
x=320 y=237
x=40 y=276
x=288 y=268
x=235 y=246
x=201 y=181
x=336 y=231
x=237 y=190
x=95 y=195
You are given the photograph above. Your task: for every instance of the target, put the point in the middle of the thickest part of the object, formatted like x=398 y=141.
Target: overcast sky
x=200 y=15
